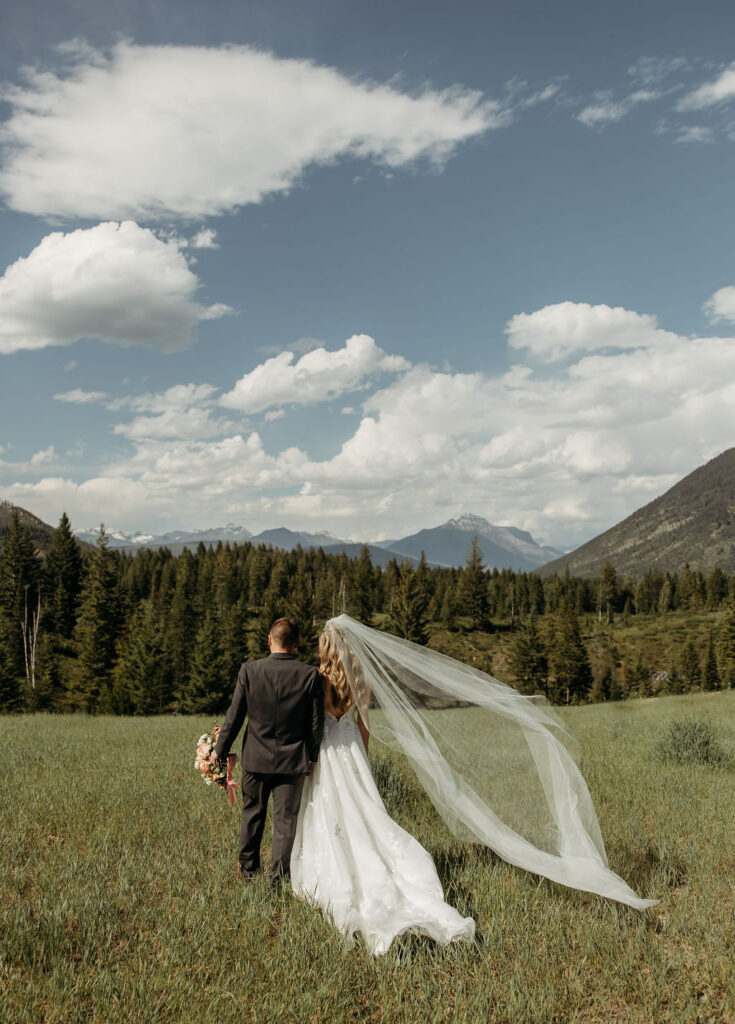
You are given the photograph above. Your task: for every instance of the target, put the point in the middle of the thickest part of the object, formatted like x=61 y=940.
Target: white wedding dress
x=354 y=862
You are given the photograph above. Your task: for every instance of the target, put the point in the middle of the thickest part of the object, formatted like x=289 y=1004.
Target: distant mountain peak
x=469 y=521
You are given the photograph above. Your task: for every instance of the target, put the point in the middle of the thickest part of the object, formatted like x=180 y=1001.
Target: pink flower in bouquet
x=205 y=767
x=213 y=757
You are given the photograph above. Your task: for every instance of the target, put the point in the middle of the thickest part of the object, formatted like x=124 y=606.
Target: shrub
x=691 y=741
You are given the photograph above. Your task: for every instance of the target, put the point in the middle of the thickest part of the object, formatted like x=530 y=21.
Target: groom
x=284 y=704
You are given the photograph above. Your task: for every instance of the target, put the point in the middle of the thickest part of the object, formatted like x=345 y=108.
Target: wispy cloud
x=77 y=396
x=605 y=109
x=719 y=90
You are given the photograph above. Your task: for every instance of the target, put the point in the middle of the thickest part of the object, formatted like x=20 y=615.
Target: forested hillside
x=107 y=631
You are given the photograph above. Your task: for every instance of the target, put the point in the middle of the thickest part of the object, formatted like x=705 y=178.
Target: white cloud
x=116 y=282
x=721 y=305
x=195 y=131
x=78 y=396
x=694 y=133
x=274 y=414
x=605 y=109
x=653 y=70
x=720 y=90
x=561 y=329
x=182 y=411
x=563 y=449
x=39 y=462
x=183 y=423
x=316 y=376
x=205 y=239
x=177 y=397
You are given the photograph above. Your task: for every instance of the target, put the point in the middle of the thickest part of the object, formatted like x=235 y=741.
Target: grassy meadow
x=120 y=900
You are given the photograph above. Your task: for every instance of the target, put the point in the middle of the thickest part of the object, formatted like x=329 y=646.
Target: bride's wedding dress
x=354 y=862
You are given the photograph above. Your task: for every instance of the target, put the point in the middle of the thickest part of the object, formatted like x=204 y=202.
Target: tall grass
x=120 y=901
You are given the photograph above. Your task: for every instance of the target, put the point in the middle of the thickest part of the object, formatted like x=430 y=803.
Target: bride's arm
x=363 y=731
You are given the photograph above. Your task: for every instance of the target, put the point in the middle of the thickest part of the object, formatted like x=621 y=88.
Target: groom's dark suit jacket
x=284 y=703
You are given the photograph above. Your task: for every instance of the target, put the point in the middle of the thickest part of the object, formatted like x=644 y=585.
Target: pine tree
x=407 y=612
x=300 y=607
x=689 y=667
x=608 y=591
x=569 y=662
x=674 y=682
x=641 y=676
x=19 y=610
x=181 y=626
x=528 y=661
x=711 y=675
x=63 y=580
x=716 y=589
x=449 y=607
x=272 y=608
x=361 y=588
x=726 y=647
x=96 y=630
x=473 y=588
x=210 y=685
x=142 y=680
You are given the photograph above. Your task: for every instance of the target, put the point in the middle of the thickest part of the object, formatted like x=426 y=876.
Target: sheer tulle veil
x=495 y=763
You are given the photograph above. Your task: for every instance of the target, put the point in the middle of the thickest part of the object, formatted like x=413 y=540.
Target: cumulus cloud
x=116 y=282
x=564 y=449
x=721 y=305
x=558 y=330
x=194 y=131
x=40 y=462
x=182 y=411
x=316 y=376
x=719 y=90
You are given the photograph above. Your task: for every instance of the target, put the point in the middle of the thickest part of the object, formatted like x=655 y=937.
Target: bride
x=494 y=763
x=350 y=858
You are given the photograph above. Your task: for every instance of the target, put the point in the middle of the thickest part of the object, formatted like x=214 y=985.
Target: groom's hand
x=222 y=765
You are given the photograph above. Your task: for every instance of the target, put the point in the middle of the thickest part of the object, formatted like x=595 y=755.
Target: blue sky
x=363 y=267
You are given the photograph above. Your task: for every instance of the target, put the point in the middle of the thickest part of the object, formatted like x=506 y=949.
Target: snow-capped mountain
x=173 y=539
x=502 y=547
x=117 y=538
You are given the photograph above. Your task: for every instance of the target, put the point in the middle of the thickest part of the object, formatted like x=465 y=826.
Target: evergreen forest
x=105 y=631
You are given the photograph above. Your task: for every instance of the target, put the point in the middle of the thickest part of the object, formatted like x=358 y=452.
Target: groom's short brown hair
x=285 y=632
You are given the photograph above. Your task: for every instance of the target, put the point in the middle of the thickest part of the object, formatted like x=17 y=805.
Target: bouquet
x=210 y=768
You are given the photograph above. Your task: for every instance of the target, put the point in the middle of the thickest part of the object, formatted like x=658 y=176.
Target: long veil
x=492 y=761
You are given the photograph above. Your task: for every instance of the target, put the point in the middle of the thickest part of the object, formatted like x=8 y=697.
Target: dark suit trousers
x=256 y=791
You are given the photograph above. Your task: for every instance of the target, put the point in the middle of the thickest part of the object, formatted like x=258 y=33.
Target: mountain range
x=502 y=547
x=692 y=522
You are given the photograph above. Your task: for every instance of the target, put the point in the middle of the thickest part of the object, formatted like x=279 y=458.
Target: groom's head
x=283 y=636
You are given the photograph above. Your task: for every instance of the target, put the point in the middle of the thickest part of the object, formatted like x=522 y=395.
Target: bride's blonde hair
x=332 y=670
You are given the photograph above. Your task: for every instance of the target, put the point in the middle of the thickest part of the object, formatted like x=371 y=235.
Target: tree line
x=109 y=631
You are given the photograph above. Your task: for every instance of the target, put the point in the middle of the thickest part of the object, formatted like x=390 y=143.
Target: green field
x=120 y=901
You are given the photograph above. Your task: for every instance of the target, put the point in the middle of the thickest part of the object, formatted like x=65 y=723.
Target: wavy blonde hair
x=337 y=689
